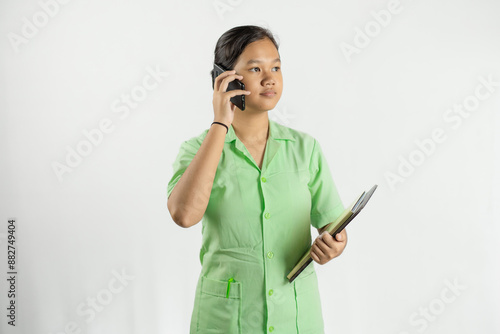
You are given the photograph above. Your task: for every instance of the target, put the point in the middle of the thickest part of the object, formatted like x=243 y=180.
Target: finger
x=332 y=246
x=325 y=248
x=329 y=240
x=225 y=81
x=221 y=76
x=341 y=237
x=315 y=257
x=317 y=249
x=232 y=93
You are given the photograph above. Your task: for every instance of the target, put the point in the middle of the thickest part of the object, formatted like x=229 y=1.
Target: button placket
x=269 y=254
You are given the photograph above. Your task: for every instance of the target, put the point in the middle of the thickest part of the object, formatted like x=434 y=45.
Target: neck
x=251 y=128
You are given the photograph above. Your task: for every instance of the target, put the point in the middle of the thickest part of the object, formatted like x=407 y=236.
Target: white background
x=433 y=228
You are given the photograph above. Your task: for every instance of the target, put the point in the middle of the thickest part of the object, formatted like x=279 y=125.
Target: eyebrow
x=256 y=61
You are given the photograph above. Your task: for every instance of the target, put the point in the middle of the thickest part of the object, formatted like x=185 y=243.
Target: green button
x=271 y=328
x=271 y=292
x=267 y=215
x=263 y=179
x=270 y=255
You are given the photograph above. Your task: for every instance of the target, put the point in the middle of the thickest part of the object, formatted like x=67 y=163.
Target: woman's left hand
x=325 y=247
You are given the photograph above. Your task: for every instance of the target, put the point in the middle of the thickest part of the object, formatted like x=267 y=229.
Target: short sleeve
x=186 y=154
x=326 y=204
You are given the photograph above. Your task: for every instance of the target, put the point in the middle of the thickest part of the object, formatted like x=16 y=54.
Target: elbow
x=182 y=221
x=177 y=216
x=179 y=220
x=181 y=213
x=185 y=220
x=174 y=213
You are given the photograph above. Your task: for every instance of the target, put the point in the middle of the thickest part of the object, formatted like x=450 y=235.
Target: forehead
x=263 y=50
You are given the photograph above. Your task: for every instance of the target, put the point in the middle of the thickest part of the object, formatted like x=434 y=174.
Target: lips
x=268 y=93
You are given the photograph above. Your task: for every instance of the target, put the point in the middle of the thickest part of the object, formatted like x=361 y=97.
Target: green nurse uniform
x=254 y=230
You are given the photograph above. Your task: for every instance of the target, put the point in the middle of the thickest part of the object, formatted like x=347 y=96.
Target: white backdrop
x=97 y=96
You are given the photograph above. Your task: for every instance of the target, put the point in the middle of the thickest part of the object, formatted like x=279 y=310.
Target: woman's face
x=260 y=67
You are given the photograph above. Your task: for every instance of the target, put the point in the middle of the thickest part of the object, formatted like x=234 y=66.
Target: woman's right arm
x=188 y=200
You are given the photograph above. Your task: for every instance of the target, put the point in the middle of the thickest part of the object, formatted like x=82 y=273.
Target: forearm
x=189 y=199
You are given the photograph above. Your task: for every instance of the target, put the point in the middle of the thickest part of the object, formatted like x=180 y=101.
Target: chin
x=263 y=106
x=261 y=109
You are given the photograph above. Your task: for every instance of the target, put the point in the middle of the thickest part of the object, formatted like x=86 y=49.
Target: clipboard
x=336 y=227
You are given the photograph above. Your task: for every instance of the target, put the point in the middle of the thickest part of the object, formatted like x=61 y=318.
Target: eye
x=256 y=68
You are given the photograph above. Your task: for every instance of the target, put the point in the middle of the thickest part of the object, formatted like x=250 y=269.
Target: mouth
x=268 y=93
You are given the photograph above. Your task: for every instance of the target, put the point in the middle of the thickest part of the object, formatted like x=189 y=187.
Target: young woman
x=258 y=186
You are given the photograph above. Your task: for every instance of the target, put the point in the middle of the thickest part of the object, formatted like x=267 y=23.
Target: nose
x=268 y=80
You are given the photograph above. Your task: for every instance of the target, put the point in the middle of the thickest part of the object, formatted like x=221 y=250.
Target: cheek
x=255 y=89
x=252 y=87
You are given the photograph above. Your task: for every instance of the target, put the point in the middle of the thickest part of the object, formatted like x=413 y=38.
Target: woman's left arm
x=326 y=247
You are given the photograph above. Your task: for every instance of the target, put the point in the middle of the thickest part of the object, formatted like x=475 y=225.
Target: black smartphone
x=238 y=100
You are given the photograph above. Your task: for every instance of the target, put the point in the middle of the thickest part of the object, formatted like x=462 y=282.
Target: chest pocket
x=219 y=312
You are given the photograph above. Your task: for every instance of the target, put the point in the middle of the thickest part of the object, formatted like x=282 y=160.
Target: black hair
x=232 y=43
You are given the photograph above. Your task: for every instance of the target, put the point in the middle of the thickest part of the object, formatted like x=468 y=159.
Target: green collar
x=276 y=132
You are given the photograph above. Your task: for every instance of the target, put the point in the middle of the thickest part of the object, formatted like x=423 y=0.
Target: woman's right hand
x=223 y=107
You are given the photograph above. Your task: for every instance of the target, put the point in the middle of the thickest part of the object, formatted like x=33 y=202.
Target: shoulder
x=195 y=141
x=304 y=146
x=301 y=140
